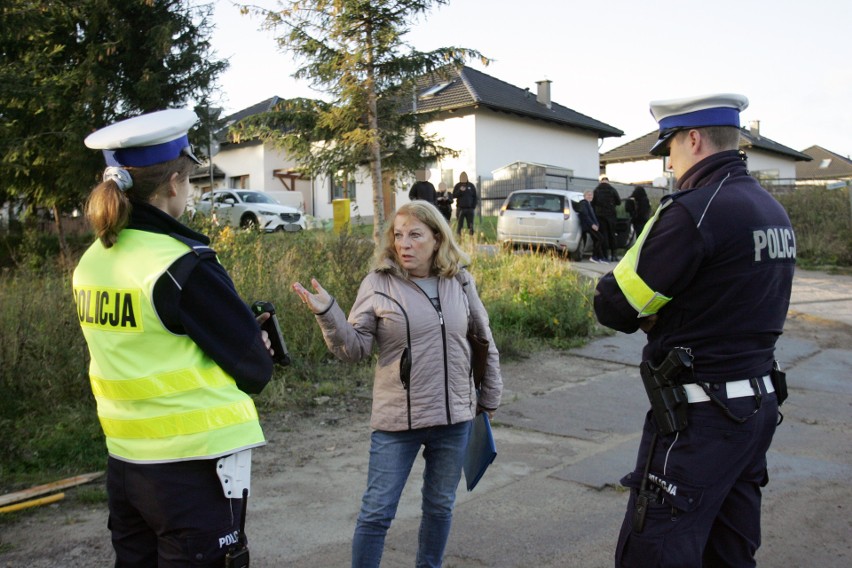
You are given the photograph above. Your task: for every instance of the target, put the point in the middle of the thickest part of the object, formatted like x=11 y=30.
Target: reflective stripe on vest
x=160 y=397
x=643 y=299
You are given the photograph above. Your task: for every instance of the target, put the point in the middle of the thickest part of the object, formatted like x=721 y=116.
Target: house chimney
x=543 y=96
x=754 y=128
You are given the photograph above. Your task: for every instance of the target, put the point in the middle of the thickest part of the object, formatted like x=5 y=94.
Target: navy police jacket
x=725 y=252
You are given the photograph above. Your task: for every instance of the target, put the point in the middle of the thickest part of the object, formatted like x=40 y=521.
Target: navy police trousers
x=170 y=515
x=709 y=478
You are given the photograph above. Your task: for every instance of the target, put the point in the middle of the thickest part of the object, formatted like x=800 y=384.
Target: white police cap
x=147 y=139
x=721 y=109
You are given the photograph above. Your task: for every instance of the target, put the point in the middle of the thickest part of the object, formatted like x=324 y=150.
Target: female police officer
x=174 y=351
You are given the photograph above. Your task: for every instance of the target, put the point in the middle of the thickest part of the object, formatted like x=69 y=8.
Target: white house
x=489 y=122
x=828 y=168
x=772 y=163
x=494 y=124
x=251 y=164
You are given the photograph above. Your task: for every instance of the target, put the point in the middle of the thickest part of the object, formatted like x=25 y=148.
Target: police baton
x=238 y=556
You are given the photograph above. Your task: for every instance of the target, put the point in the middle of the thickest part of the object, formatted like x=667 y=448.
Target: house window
x=342 y=186
x=434 y=90
x=825 y=163
x=240 y=182
x=768 y=177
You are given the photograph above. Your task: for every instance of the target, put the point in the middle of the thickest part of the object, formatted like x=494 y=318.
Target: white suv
x=248 y=208
x=541 y=217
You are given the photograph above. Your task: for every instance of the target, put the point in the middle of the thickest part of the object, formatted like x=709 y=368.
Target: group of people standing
x=598 y=218
x=464 y=195
x=172 y=377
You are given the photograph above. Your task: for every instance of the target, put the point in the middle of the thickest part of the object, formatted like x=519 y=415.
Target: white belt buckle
x=234 y=473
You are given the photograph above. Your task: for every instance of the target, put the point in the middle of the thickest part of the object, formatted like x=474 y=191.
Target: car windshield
x=545 y=202
x=256 y=197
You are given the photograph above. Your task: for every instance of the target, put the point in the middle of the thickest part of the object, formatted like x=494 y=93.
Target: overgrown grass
x=534 y=299
x=823 y=225
x=48 y=413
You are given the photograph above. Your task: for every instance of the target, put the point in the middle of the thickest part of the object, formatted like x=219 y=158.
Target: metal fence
x=494 y=192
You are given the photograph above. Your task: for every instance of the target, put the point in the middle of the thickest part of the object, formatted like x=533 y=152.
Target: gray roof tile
x=638 y=149
x=469 y=88
x=825 y=165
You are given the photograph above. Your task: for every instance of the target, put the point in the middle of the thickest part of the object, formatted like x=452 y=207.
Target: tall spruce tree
x=70 y=67
x=354 y=51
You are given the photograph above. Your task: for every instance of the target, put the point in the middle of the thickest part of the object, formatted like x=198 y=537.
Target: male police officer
x=709 y=281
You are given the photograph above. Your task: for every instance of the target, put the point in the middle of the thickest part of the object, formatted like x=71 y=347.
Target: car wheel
x=576 y=255
x=248 y=222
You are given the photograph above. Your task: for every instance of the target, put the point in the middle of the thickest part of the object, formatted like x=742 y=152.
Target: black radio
x=280 y=354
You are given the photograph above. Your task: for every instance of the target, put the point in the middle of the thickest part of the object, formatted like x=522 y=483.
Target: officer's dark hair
x=108 y=207
x=722 y=137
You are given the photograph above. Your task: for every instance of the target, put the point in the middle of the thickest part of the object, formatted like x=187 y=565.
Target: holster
x=667 y=396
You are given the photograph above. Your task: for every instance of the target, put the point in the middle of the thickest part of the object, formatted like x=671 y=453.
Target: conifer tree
x=354 y=51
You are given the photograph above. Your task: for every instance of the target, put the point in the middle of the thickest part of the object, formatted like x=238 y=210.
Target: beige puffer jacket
x=400 y=318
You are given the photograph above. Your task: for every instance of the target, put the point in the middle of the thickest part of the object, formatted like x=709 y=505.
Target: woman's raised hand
x=318 y=302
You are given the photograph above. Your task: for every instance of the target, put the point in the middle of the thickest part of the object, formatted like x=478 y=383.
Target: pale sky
x=608 y=58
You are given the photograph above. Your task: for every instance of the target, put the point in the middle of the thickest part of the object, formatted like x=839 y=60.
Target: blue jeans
x=391 y=456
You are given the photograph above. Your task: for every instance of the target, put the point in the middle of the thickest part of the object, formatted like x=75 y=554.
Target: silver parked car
x=541 y=217
x=248 y=208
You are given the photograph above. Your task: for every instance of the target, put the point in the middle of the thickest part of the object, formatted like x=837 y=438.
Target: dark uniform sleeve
x=670 y=258
x=208 y=309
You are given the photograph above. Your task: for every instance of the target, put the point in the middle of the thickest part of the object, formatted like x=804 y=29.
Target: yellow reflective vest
x=160 y=398
x=644 y=300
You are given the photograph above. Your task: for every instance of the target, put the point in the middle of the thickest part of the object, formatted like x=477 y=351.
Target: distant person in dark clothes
x=589 y=224
x=444 y=201
x=639 y=208
x=422 y=188
x=466 y=199
x=605 y=201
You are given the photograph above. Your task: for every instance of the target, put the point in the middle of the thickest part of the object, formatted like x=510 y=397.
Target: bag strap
x=471 y=323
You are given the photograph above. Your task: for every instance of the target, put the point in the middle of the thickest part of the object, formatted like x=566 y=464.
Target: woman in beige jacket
x=416 y=306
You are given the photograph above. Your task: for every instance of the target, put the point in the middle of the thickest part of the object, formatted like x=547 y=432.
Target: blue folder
x=481 y=450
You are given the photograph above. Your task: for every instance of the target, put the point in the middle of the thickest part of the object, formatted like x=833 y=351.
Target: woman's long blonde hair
x=447 y=260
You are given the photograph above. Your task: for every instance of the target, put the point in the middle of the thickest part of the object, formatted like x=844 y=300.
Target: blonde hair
x=446 y=261
x=108 y=208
